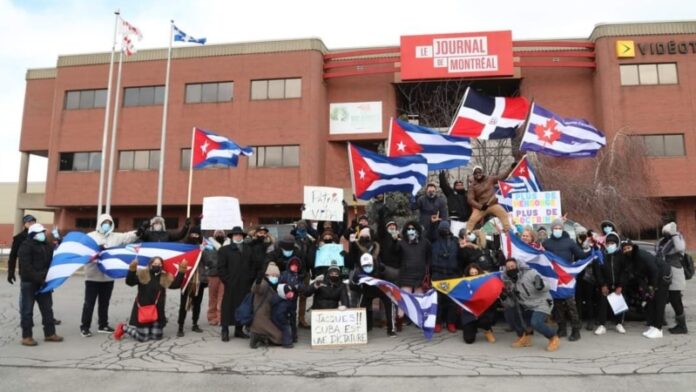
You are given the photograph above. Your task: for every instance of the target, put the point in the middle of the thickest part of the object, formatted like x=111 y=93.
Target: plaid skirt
x=142 y=334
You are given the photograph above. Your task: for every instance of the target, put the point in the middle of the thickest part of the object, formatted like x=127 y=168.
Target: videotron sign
x=459 y=55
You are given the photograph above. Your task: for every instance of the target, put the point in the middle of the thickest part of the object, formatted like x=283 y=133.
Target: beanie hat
x=333 y=267
x=390 y=223
x=28 y=218
x=365 y=232
x=301 y=224
x=542 y=228
x=363 y=216
x=272 y=269
x=557 y=222
x=478 y=167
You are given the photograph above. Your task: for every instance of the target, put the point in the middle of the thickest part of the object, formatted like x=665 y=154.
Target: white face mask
x=41 y=237
x=607 y=229
x=472 y=237
x=157 y=227
x=557 y=233
x=612 y=248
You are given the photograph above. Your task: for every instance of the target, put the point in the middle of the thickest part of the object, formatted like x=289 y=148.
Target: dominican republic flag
x=114 y=261
x=420 y=308
x=474 y=294
x=211 y=149
x=550 y=134
x=441 y=151
x=559 y=274
x=484 y=117
x=522 y=179
x=183 y=37
x=76 y=250
x=373 y=174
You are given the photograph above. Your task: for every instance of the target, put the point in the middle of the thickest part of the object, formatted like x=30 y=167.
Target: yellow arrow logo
x=625 y=49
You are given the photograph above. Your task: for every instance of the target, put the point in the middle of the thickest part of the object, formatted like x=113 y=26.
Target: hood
x=670 y=228
x=613 y=236
x=413 y=223
x=608 y=223
x=103 y=218
x=156 y=220
x=444 y=225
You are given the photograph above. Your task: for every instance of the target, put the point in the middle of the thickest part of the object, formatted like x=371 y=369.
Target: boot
x=53 y=338
x=399 y=324
x=522 y=341
x=225 y=334
x=196 y=328
x=554 y=342
x=589 y=325
x=488 y=334
x=680 y=328
x=239 y=332
x=180 y=331
x=562 y=330
x=574 y=335
x=254 y=341
x=29 y=342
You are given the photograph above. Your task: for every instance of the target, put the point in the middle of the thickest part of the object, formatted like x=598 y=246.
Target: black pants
x=656 y=305
x=369 y=293
x=94 y=290
x=586 y=298
x=604 y=310
x=446 y=309
x=470 y=328
x=196 y=308
x=565 y=310
x=675 y=299
x=45 y=301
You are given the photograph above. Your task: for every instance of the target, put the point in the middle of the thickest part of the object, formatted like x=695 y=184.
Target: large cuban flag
x=76 y=250
x=211 y=149
x=441 y=151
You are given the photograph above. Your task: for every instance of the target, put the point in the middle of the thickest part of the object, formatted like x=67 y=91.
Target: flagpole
x=114 y=129
x=456 y=114
x=188 y=203
x=105 y=138
x=389 y=138
x=160 y=181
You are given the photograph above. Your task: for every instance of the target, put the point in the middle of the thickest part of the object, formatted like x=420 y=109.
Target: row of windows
x=91 y=223
x=195 y=93
x=266 y=156
x=648 y=74
x=663 y=145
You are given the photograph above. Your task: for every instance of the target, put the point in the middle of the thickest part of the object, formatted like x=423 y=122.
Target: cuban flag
x=373 y=174
x=475 y=294
x=522 y=179
x=76 y=250
x=114 y=262
x=421 y=309
x=484 y=117
x=211 y=149
x=183 y=37
x=441 y=151
x=550 y=134
x=557 y=273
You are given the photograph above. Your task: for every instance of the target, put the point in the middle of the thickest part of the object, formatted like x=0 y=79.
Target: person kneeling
x=147 y=320
x=262 y=328
x=470 y=323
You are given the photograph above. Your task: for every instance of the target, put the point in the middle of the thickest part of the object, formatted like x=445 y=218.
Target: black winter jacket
x=457 y=203
x=565 y=248
x=16 y=243
x=612 y=273
x=34 y=261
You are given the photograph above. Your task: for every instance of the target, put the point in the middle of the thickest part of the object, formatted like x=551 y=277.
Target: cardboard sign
x=328 y=253
x=323 y=204
x=536 y=208
x=221 y=212
x=339 y=328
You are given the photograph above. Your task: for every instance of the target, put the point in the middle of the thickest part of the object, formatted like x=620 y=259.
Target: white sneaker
x=620 y=328
x=601 y=330
x=654 y=334
x=649 y=331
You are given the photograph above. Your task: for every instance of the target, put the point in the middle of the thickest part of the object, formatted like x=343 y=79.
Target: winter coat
x=483 y=192
x=209 y=257
x=263 y=325
x=259 y=249
x=428 y=207
x=415 y=257
x=530 y=291
x=457 y=203
x=17 y=240
x=328 y=295
x=671 y=248
x=149 y=286
x=106 y=241
x=565 y=248
x=387 y=243
x=356 y=250
x=281 y=261
x=612 y=273
x=165 y=235
x=444 y=262
x=34 y=261
x=234 y=269
x=643 y=265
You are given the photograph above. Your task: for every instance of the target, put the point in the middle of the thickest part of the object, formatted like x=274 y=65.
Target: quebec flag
x=211 y=149
x=183 y=37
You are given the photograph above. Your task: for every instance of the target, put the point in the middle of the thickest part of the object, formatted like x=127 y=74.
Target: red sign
x=461 y=55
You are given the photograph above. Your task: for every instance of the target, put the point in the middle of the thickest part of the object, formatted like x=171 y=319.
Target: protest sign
x=328 y=253
x=456 y=226
x=339 y=327
x=221 y=212
x=536 y=208
x=323 y=204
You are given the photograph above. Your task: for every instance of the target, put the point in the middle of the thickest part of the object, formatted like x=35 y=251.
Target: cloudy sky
x=38 y=31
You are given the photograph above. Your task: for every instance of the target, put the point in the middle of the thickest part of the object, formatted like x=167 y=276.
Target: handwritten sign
x=339 y=327
x=323 y=204
x=221 y=212
x=535 y=208
x=328 y=253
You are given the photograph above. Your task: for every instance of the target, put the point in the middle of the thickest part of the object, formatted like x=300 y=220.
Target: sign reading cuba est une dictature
x=536 y=208
x=332 y=327
x=456 y=55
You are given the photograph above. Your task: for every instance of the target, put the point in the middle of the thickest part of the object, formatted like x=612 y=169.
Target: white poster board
x=456 y=226
x=355 y=117
x=536 y=208
x=221 y=212
x=323 y=203
x=331 y=328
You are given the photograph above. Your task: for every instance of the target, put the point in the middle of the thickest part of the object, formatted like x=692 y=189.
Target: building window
x=276 y=89
x=186 y=161
x=143 y=96
x=648 y=74
x=663 y=145
x=275 y=156
x=139 y=160
x=80 y=161
x=209 y=92
x=90 y=223
x=85 y=99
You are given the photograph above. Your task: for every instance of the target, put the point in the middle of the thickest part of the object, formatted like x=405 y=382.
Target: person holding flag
x=192 y=295
x=471 y=323
x=483 y=200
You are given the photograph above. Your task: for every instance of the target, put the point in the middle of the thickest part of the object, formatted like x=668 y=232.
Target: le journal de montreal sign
x=456 y=55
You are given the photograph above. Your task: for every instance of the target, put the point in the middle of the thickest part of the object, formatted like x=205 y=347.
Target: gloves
x=11 y=277
x=143 y=228
x=133 y=266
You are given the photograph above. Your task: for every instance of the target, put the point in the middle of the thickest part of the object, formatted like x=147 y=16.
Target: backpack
x=688 y=265
x=244 y=314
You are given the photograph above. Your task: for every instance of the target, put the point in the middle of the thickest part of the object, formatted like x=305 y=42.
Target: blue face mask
x=472 y=237
x=368 y=269
x=237 y=241
x=273 y=279
x=302 y=233
x=557 y=233
x=287 y=253
x=607 y=229
x=105 y=228
x=612 y=248
x=41 y=237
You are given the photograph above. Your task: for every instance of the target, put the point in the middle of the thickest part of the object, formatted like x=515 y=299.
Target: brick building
x=283 y=97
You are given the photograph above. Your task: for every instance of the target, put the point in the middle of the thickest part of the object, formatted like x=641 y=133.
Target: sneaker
x=120 y=330
x=86 y=333
x=391 y=334
x=648 y=331
x=196 y=328
x=620 y=328
x=654 y=334
x=53 y=338
x=601 y=330
x=106 y=329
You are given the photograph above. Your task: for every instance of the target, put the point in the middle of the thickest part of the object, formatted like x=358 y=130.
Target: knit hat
x=390 y=223
x=333 y=267
x=363 y=216
x=28 y=218
x=557 y=222
x=301 y=224
x=541 y=228
x=219 y=232
x=272 y=269
x=613 y=237
x=365 y=232
x=670 y=228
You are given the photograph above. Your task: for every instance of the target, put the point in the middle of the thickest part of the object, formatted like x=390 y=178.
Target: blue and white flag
x=558 y=274
x=550 y=134
x=114 y=261
x=183 y=37
x=212 y=149
x=76 y=250
x=522 y=179
x=420 y=308
x=441 y=151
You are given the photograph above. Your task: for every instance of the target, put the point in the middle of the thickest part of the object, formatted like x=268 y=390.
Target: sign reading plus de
x=456 y=55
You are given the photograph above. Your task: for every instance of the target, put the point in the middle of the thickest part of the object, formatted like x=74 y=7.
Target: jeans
x=196 y=308
x=45 y=301
x=94 y=290
x=536 y=320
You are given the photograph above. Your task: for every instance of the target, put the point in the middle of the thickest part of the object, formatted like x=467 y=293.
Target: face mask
x=287 y=253
x=273 y=280
x=557 y=233
x=41 y=237
x=472 y=237
x=156 y=270
x=220 y=239
x=364 y=240
x=368 y=269
x=443 y=233
x=607 y=229
x=157 y=227
x=302 y=233
x=512 y=274
x=105 y=228
x=412 y=234
x=392 y=231
x=582 y=237
x=237 y=241
x=334 y=279
x=194 y=240
x=612 y=248
x=293 y=268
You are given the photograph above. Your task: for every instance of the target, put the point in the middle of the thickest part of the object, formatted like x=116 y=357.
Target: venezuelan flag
x=475 y=294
